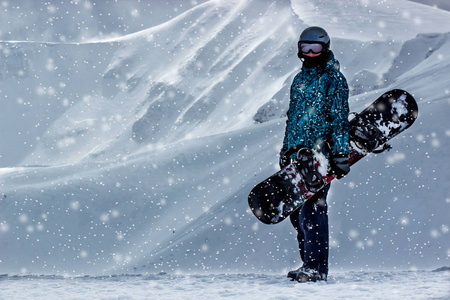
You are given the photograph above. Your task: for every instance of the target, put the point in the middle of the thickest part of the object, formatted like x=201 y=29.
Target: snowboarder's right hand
x=283 y=160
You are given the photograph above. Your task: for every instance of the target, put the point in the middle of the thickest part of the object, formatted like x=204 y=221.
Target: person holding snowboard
x=318 y=108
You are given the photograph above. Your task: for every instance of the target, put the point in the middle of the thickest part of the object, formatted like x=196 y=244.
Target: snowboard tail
x=275 y=198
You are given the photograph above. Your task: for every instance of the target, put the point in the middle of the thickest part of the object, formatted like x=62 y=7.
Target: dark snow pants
x=311 y=223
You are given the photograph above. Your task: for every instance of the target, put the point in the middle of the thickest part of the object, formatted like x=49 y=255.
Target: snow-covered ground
x=134 y=154
x=342 y=285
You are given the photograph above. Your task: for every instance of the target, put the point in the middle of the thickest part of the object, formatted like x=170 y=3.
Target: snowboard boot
x=306 y=274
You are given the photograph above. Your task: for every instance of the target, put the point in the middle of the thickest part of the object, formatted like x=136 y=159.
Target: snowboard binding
x=366 y=136
x=306 y=167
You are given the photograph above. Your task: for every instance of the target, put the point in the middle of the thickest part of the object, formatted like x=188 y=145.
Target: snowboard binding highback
x=306 y=166
x=366 y=136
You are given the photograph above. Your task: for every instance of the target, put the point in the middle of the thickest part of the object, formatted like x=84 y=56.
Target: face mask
x=312 y=62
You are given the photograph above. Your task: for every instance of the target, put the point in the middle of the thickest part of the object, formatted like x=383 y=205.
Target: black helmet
x=314 y=35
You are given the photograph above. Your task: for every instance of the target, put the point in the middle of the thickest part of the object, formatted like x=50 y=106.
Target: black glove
x=339 y=165
x=284 y=161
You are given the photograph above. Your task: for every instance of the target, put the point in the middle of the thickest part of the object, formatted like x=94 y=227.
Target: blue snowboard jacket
x=319 y=108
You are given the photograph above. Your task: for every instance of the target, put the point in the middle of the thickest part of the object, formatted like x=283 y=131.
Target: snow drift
x=137 y=154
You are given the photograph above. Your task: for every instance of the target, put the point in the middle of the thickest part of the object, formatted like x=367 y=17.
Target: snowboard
x=275 y=198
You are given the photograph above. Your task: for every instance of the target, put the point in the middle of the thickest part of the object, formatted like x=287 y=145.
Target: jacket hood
x=332 y=63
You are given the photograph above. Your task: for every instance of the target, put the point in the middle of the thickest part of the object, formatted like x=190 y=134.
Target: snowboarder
x=318 y=108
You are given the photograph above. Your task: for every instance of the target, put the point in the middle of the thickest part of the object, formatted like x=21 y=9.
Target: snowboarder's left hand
x=339 y=165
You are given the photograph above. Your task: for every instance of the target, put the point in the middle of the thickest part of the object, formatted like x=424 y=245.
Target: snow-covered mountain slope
x=368 y=21
x=83 y=20
x=137 y=154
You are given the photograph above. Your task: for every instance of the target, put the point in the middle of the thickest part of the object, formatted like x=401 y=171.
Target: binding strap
x=385 y=147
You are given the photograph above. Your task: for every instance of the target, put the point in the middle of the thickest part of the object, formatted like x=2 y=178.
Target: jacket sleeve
x=339 y=94
x=286 y=131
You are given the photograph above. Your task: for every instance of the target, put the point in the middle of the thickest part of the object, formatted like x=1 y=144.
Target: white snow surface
x=135 y=155
x=342 y=285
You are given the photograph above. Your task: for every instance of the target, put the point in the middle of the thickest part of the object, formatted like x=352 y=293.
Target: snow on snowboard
x=278 y=196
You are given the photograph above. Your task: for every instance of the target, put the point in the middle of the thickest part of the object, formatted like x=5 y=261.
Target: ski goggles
x=315 y=48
